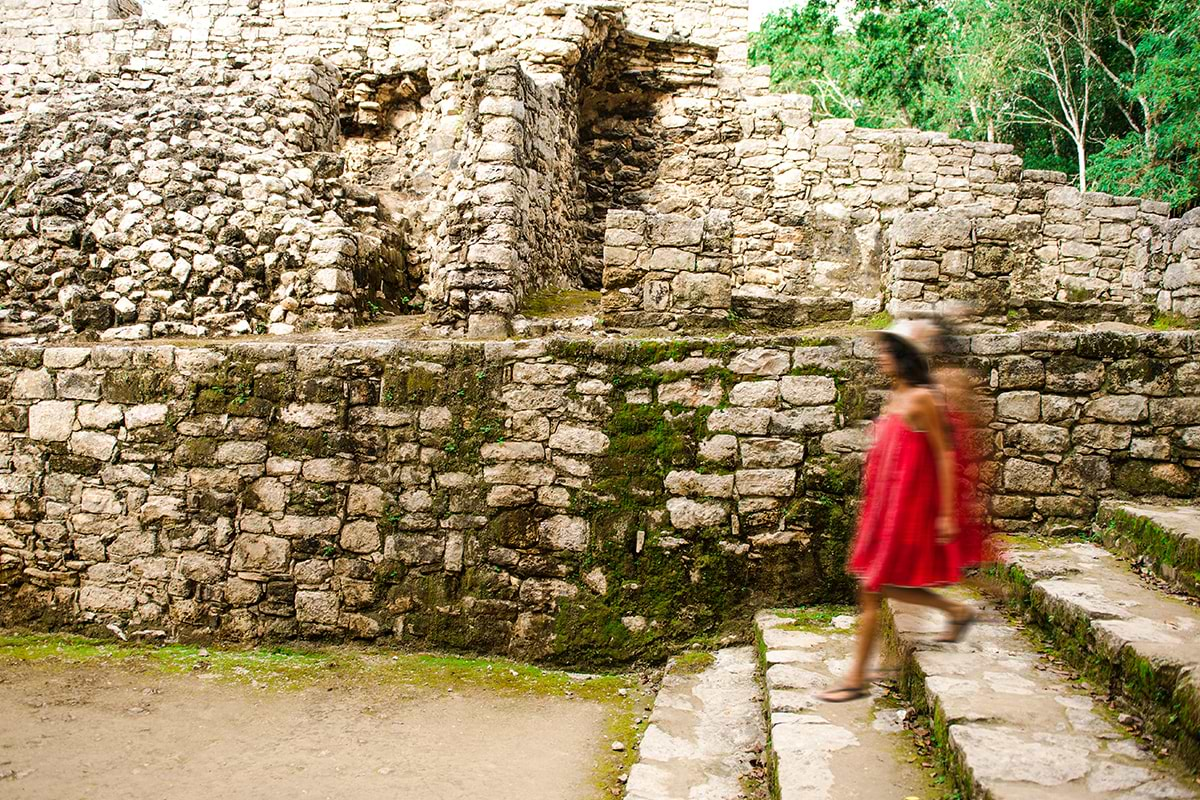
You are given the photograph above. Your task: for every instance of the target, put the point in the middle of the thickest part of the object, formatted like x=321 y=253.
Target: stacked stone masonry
x=236 y=166
x=566 y=499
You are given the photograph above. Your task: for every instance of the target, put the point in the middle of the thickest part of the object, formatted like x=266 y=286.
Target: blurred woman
x=915 y=529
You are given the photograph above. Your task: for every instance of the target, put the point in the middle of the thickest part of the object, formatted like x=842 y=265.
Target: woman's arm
x=931 y=418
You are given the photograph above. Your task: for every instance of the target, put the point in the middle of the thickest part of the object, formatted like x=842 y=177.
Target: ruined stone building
x=175 y=177
x=215 y=168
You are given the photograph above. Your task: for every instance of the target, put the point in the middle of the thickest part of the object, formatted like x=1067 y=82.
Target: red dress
x=896 y=542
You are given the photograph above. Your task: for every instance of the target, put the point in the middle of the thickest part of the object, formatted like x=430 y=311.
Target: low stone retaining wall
x=573 y=500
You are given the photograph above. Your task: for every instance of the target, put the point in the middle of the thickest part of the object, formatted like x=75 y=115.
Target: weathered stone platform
x=1013 y=729
x=828 y=751
x=1143 y=645
x=706 y=731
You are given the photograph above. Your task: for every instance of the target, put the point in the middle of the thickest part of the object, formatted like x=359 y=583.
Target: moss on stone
x=1175 y=558
x=133 y=386
x=1138 y=478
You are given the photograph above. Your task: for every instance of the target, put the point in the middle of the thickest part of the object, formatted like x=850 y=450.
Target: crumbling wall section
x=209 y=211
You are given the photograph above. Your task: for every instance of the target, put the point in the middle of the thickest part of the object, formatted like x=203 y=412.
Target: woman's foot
x=842 y=694
x=960 y=620
x=882 y=674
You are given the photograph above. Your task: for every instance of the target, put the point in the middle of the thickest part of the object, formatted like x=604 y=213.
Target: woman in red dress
x=916 y=528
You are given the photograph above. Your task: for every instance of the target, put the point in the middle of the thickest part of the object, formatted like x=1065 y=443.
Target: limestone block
x=676 y=230
x=308 y=415
x=435 y=418
x=93 y=444
x=361 y=536
x=932 y=229
x=1106 y=437
x=99 y=415
x=543 y=374
x=239 y=592
x=698 y=484
x=692 y=392
x=766 y=482
x=1118 y=408
x=317 y=607
x=808 y=390
x=578 y=441
x=78 y=384
x=1027 y=476
x=65 y=357
x=761 y=361
x=771 y=453
x=752 y=421
x=1032 y=437
x=254 y=552
x=107 y=599
x=671 y=259
x=519 y=473
x=329 y=470
x=143 y=416
x=1163 y=411
x=241 y=452
x=806 y=420
x=702 y=290
x=1084 y=472
x=294 y=526
x=719 y=449
x=202 y=567
x=761 y=394
x=509 y=496
x=33 y=384
x=512 y=451
x=51 y=420
x=1021 y=406
x=687 y=514
x=530 y=425
x=564 y=532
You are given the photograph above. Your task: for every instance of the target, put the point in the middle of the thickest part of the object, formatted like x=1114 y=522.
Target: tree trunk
x=1081 y=157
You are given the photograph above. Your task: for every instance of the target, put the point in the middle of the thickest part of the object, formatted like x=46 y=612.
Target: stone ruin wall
x=431 y=75
x=575 y=500
x=813 y=207
x=464 y=155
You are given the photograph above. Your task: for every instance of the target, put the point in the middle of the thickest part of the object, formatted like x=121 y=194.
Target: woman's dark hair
x=911 y=366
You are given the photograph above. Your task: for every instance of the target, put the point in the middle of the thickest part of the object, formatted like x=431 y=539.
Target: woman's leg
x=923 y=597
x=853 y=685
x=960 y=614
x=868 y=626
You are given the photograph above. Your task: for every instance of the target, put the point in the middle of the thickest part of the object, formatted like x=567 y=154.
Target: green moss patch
x=1175 y=558
x=818 y=618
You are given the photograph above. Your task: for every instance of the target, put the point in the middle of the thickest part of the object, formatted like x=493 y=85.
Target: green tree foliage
x=1106 y=90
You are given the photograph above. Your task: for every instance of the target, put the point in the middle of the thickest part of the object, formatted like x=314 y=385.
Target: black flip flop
x=850 y=692
x=958 y=629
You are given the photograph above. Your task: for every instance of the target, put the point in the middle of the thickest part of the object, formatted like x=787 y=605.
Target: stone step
x=1011 y=727
x=789 y=311
x=1109 y=624
x=1166 y=539
x=705 y=730
x=828 y=751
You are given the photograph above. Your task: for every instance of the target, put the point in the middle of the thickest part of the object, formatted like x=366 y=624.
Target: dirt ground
x=101 y=731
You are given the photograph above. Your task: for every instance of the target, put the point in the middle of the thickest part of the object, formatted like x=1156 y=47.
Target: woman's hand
x=947 y=528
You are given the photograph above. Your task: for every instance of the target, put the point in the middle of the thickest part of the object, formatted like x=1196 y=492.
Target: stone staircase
x=1008 y=722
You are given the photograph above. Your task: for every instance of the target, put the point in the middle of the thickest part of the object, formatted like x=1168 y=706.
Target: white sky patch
x=761 y=8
